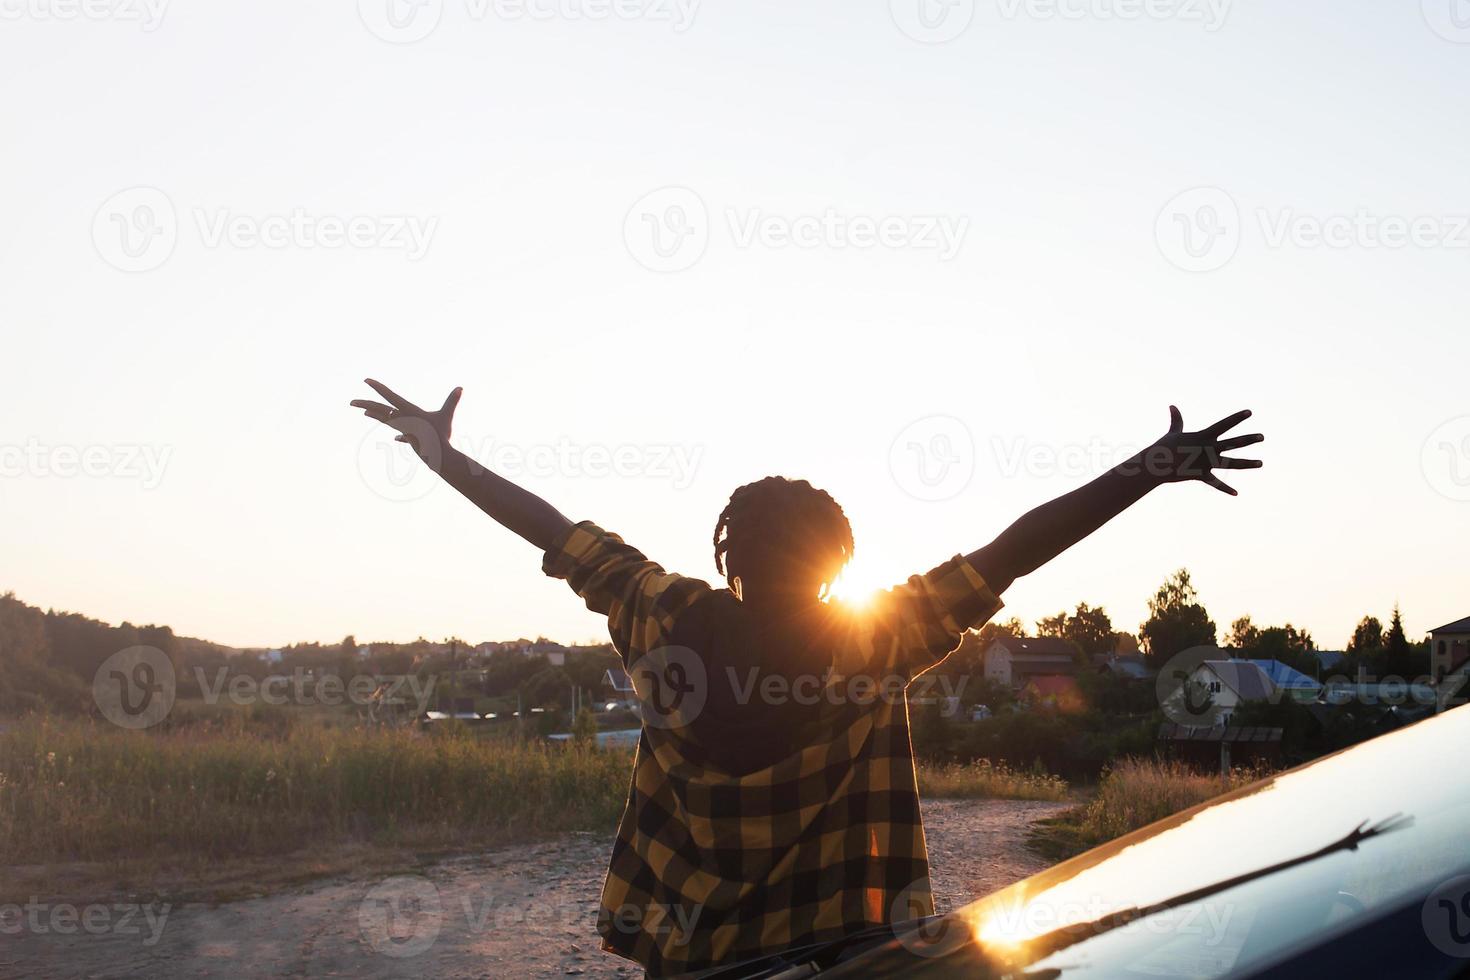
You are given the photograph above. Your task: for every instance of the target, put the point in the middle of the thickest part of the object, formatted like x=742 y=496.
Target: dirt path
x=524 y=912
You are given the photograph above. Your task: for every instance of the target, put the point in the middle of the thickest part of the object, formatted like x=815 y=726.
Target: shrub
x=1134 y=793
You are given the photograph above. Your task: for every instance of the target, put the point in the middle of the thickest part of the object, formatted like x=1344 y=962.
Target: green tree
x=1176 y=620
x=586 y=666
x=1088 y=629
x=1012 y=627
x=1055 y=626
x=1243 y=635
x=27 y=679
x=1396 y=645
x=1367 y=637
x=1289 y=645
x=548 y=688
x=1091 y=630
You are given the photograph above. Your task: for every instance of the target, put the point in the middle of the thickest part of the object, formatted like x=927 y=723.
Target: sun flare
x=857 y=585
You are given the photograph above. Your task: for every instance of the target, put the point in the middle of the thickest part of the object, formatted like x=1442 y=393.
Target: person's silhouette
x=774 y=801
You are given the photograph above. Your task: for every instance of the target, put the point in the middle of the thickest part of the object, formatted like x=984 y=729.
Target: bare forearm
x=516 y=508
x=1045 y=532
x=428 y=433
x=1052 y=528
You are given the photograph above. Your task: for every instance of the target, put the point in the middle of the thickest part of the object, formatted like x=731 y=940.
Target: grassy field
x=288 y=790
x=1133 y=793
x=88 y=792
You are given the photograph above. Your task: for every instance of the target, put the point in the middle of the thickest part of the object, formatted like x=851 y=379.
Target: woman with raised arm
x=774 y=802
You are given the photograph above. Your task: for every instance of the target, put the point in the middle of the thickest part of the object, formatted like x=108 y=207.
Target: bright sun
x=857 y=585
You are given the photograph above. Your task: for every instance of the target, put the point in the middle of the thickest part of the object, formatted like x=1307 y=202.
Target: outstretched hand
x=1181 y=456
x=424 y=431
x=428 y=433
x=1047 y=531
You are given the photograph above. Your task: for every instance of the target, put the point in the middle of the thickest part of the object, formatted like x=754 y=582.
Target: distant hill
x=48 y=658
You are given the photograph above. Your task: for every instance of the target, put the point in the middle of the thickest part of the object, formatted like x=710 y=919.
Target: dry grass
x=236 y=802
x=78 y=791
x=986 y=780
x=1134 y=793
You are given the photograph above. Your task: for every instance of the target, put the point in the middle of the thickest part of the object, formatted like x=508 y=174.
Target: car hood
x=1414 y=772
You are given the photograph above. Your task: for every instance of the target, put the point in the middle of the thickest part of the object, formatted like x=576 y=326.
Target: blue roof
x=1285 y=677
x=1329 y=658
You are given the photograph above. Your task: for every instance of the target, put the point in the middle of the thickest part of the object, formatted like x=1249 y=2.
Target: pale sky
x=219 y=217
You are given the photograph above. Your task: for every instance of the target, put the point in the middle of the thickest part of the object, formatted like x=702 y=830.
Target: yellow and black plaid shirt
x=786 y=818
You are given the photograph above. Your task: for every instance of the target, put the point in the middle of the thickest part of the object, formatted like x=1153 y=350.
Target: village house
x=1013 y=661
x=1449 y=648
x=1289 y=681
x=1231 y=682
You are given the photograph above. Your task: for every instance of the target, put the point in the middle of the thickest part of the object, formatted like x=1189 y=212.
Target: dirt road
x=518 y=912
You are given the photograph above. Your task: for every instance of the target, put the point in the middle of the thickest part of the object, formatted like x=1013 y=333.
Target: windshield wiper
x=1060 y=939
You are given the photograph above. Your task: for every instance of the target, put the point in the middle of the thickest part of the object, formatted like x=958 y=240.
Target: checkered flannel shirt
x=714 y=867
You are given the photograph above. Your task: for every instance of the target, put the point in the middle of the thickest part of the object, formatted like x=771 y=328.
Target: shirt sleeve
x=924 y=619
x=639 y=598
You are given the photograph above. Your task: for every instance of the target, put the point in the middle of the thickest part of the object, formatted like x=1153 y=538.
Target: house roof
x=1329 y=658
x=1038 y=667
x=617 y=678
x=1458 y=626
x=1132 y=668
x=1243 y=677
x=1038 y=646
x=1285 y=677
